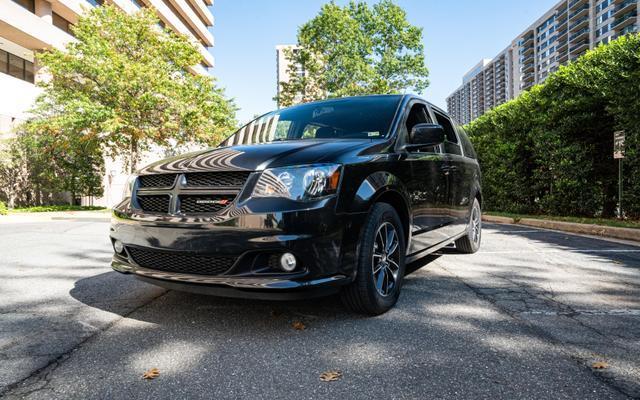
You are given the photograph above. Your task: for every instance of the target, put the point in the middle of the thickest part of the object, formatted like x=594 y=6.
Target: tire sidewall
x=381 y=213
x=475 y=246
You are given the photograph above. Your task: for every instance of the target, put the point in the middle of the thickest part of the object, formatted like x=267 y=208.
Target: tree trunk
x=133 y=160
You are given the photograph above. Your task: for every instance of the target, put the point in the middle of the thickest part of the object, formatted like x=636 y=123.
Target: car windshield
x=351 y=118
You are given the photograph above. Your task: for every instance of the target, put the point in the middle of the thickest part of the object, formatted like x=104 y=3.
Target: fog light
x=288 y=262
x=118 y=246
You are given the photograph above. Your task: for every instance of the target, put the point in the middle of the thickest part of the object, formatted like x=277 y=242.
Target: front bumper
x=323 y=242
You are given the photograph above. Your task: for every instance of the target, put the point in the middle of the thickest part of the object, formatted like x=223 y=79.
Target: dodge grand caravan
x=320 y=198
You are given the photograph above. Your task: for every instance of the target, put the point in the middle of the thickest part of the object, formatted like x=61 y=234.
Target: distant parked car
x=325 y=197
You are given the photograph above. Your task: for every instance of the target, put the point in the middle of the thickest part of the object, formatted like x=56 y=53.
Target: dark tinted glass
x=28 y=71
x=28 y=4
x=451 y=145
x=466 y=144
x=4 y=61
x=353 y=118
x=60 y=22
x=16 y=66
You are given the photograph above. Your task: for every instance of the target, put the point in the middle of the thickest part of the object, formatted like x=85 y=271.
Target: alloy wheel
x=476 y=225
x=386 y=259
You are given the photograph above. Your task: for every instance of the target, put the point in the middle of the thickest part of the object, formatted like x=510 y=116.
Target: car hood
x=258 y=156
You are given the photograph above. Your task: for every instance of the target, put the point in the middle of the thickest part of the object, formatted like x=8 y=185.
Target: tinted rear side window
x=466 y=144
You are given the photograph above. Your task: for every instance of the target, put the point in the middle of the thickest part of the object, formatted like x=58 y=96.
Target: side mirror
x=426 y=135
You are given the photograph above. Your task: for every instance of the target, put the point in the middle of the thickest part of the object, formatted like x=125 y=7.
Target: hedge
x=550 y=150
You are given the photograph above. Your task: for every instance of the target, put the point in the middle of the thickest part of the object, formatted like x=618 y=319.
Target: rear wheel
x=470 y=243
x=381 y=260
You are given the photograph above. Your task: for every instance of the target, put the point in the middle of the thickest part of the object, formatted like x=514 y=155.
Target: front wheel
x=381 y=263
x=470 y=243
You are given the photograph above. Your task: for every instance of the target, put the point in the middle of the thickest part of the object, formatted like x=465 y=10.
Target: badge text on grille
x=222 y=202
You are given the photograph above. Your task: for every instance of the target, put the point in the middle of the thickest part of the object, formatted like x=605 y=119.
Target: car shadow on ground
x=111 y=290
x=439 y=336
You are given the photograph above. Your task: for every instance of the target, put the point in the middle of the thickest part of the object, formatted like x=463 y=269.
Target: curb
x=572 y=227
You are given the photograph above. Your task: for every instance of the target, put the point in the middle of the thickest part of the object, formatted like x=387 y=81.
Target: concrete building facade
x=28 y=26
x=559 y=36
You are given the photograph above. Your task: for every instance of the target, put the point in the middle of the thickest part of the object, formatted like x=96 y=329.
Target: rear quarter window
x=467 y=147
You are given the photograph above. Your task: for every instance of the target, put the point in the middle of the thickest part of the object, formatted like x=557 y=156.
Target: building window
x=96 y=3
x=28 y=4
x=15 y=66
x=61 y=23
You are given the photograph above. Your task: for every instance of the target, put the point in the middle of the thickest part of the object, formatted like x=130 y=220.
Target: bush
x=550 y=151
x=3 y=209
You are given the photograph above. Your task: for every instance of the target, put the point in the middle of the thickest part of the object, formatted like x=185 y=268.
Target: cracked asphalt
x=526 y=317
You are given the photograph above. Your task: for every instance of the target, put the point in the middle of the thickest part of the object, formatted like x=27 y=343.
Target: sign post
x=618 y=153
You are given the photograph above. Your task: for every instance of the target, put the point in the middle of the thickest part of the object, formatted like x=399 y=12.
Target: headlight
x=303 y=183
x=128 y=186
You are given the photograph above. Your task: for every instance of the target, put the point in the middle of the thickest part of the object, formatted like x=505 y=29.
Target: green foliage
x=356 y=50
x=550 y=151
x=125 y=85
x=3 y=208
x=38 y=209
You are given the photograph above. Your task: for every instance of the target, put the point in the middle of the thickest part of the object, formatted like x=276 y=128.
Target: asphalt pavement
x=526 y=317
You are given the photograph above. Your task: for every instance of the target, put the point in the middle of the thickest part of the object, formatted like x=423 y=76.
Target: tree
x=355 y=50
x=124 y=85
x=550 y=150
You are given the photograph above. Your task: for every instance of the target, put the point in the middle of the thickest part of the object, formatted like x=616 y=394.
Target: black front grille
x=221 y=178
x=202 y=204
x=171 y=261
x=154 y=203
x=162 y=181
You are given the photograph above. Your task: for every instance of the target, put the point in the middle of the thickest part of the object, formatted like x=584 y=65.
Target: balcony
x=580 y=47
x=562 y=57
x=628 y=5
x=581 y=11
x=527 y=50
x=527 y=68
x=625 y=20
x=573 y=4
x=526 y=40
x=562 y=34
x=579 y=35
x=579 y=23
x=628 y=29
x=524 y=60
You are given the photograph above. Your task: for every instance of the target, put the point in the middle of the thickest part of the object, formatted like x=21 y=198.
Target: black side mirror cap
x=426 y=135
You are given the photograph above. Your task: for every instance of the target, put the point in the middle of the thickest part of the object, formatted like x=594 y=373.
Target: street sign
x=618 y=145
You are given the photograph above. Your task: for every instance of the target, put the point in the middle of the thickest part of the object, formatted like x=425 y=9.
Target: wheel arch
x=383 y=186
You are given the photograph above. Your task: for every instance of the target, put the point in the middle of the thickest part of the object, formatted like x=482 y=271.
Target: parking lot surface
x=526 y=317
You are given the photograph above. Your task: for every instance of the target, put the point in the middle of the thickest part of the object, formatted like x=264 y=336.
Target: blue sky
x=457 y=34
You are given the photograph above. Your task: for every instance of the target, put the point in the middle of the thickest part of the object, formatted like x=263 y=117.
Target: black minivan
x=324 y=197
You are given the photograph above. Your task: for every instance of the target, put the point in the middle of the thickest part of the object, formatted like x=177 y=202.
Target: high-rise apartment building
x=562 y=34
x=28 y=26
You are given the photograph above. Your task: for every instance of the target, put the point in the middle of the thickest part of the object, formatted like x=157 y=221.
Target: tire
x=377 y=265
x=470 y=243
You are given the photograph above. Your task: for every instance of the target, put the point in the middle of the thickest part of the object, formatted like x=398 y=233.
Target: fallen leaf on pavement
x=298 y=325
x=330 y=376
x=151 y=374
x=599 y=365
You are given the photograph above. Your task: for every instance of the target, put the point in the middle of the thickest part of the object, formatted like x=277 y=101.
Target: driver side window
x=418 y=114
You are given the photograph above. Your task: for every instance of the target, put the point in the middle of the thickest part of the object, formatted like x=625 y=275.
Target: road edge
x=571 y=227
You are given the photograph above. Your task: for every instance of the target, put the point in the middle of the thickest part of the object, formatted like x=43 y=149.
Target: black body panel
x=193 y=222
